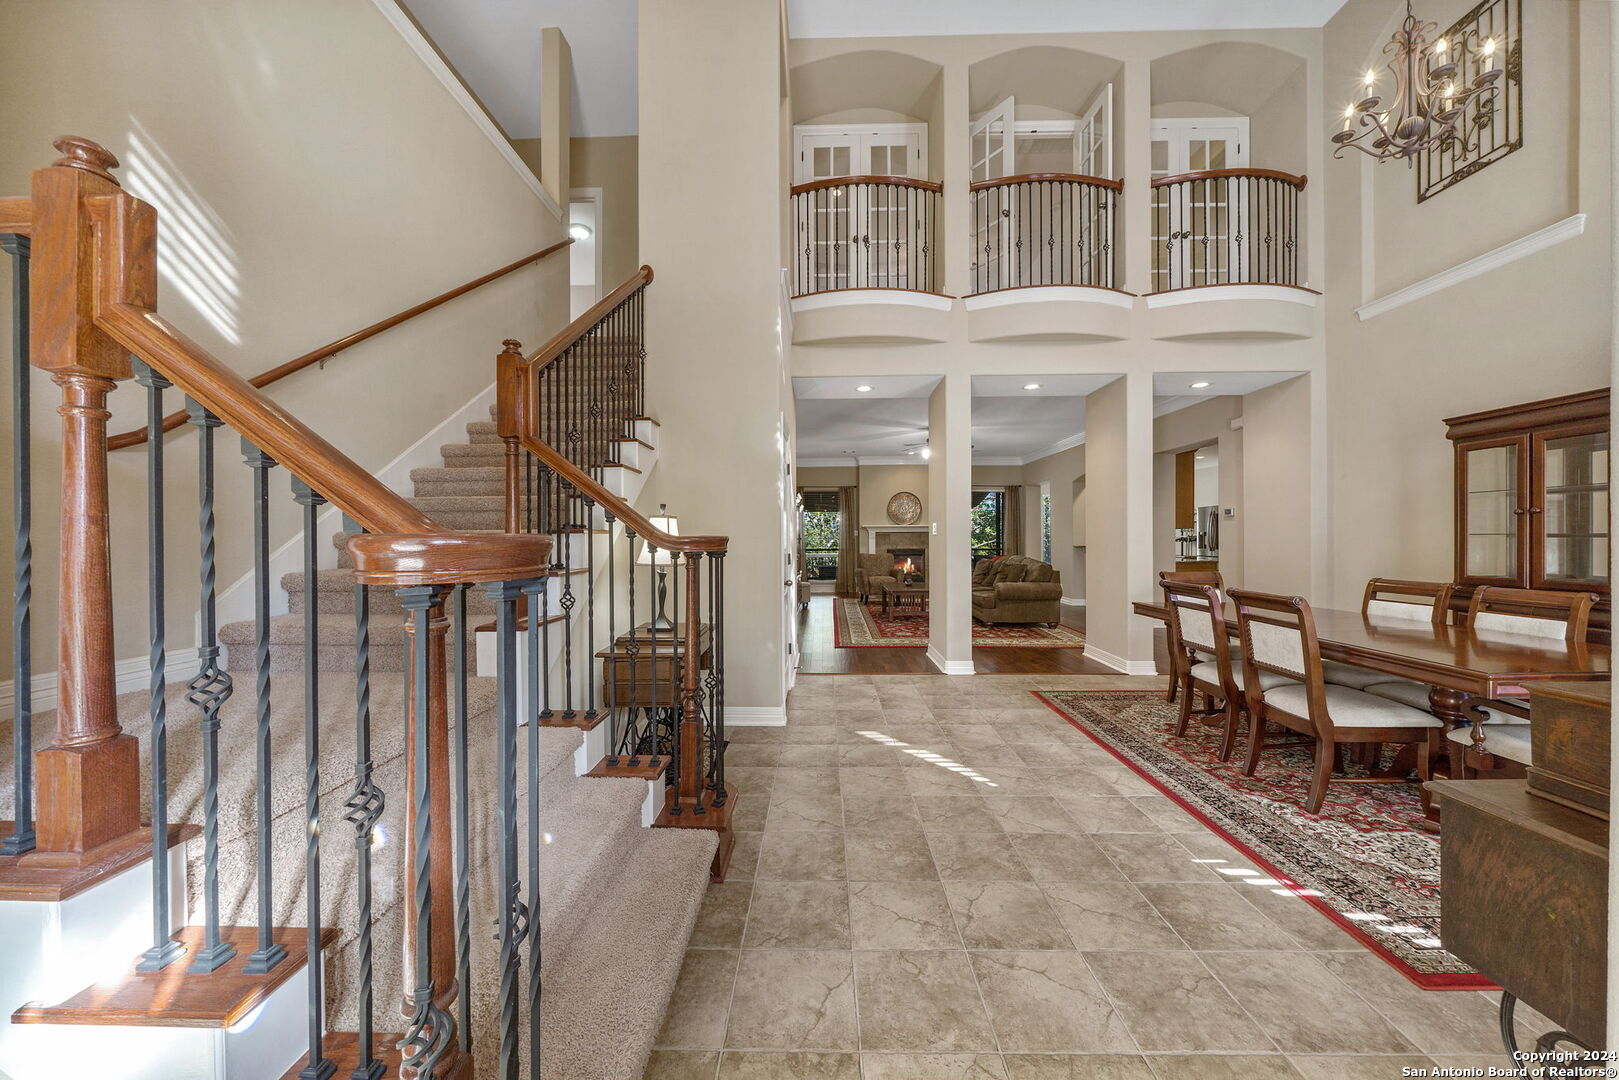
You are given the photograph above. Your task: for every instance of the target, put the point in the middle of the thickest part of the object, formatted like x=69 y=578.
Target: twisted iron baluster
x=566 y=602
x=362 y=810
x=431 y=1029
x=165 y=950
x=505 y=594
x=632 y=726
x=320 y=1067
x=463 y=825
x=208 y=691
x=21 y=838
x=613 y=719
x=268 y=952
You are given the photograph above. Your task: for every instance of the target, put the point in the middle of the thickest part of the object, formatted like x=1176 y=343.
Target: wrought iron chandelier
x=1428 y=106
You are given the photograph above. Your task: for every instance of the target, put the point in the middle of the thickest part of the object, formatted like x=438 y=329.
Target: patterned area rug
x=863 y=626
x=1361 y=861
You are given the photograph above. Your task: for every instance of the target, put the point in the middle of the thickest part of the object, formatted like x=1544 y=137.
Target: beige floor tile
x=805 y=734
x=809 y=780
x=1072 y=857
x=1214 y=916
x=887 y=855
x=932 y=1067
x=1170 y=1001
x=865 y=782
x=976 y=857
x=1109 y=916
x=798 y=915
x=1004 y=915
x=777 y=1065
x=722 y=916
x=793 y=999
x=1153 y=857
x=953 y=814
x=1167 y=814
x=1030 y=815
x=1223 y=1067
x=1357 y=1067
x=1300 y=919
x=1436 y=1022
x=744 y=857
x=681 y=1065
x=799 y=812
x=1108 y=813
x=801 y=856
x=793 y=757
x=1048 y=1001
x=901 y=915
x=701 y=1001
x=1303 y=1006
x=936 y=780
x=1009 y=781
x=882 y=812
x=753 y=755
x=1077 y=1067
x=748 y=815
x=757 y=781
x=920 y=1001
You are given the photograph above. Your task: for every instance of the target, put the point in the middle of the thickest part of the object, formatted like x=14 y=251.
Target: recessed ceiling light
x=1202 y=384
x=1031 y=386
x=1199 y=457
x=866 y=389
x=579 y=230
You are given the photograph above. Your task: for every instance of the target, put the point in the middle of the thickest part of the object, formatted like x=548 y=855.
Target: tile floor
x=938 y=878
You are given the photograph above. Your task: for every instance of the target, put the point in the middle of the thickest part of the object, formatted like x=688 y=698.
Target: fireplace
x=917 y=557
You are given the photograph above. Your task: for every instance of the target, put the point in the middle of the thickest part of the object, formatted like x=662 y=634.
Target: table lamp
x=661 y=560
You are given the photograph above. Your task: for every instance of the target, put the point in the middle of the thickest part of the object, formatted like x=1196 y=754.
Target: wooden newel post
x=691 y=720
x=89 y=777
x=508 y=402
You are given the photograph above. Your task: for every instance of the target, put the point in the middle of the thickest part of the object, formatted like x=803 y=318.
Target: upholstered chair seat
x=1349 y=675
x=1352 y=708
x=1209 y=672
x=1510 y=741
x=1405 y=691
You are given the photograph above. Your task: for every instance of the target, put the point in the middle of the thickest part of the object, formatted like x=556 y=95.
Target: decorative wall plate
x=904 y=509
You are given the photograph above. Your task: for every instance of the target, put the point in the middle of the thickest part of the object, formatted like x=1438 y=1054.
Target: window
x=1045 y=523
x=820 y=526
x=988 y=524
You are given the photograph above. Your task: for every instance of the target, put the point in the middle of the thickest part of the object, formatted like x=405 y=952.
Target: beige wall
x=312 y=176
x=609 y=163
x=1277 y=490
x=879 y=483
x=1531 y=329
x=1061 y=470
x=714 y=378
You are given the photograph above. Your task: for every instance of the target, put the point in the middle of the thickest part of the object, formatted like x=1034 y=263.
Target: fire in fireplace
x=909 y=562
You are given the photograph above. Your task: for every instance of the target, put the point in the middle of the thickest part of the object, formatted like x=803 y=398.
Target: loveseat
x=1017 y=589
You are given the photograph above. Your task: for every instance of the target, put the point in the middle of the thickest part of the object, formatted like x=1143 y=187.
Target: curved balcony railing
x=1043 y=229
x=865 y=232
x=1226 y=227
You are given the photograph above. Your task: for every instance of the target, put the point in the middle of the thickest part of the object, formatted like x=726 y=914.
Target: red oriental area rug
x=863 y=626
x=1361 y=862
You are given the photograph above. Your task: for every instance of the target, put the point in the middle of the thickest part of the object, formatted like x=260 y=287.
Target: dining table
x=1457 y=662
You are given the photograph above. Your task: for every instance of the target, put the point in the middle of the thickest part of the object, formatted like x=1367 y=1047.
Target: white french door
x=992 y=142
x=1183 y=145
x=1093 y=136
x=847 y=223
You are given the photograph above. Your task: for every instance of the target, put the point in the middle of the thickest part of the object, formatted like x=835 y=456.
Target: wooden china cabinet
x=1532 y=498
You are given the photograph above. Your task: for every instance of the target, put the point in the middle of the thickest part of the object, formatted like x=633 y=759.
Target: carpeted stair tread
x=335 y=649
x=603 y=1003
x=557 y=748
x=336 y=589
x=591 y=823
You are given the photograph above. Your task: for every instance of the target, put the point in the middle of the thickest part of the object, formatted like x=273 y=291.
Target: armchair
x=871 y=573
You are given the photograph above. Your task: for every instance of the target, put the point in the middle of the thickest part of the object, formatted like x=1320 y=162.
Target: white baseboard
x=1118 y=663
x=949 y=667
x=132 y=673
x=1073 y=602
x=755 y=716
x=236 y=600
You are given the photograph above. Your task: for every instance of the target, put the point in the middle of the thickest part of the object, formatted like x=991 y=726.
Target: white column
x=1119 y=494
x=950 y=490
x=957 y=228
x=1134 y=225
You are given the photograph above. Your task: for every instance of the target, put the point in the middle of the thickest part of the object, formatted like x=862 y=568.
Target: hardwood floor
x=821 y=655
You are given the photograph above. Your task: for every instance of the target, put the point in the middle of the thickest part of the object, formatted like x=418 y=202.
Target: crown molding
x=1510 y=252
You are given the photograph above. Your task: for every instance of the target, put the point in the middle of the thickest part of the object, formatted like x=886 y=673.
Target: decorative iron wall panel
x=1493 y=126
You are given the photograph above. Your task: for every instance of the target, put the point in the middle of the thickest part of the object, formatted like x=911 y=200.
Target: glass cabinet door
x=1570 y=508
x=1492 y=510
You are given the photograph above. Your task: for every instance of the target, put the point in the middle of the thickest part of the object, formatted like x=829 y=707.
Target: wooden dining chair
x=1197 y=630
x=1545 y=613
x=1189 y=577
x=1388 y=599
x=1278 y=637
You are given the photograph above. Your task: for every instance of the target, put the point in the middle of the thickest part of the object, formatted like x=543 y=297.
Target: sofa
x=1017 y=589
x=871 y=573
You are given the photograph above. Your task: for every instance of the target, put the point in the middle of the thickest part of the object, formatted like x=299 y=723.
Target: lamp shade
x=662 y=557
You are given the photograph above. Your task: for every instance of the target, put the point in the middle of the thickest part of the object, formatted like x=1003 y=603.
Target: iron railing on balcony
x=866 y=232
x=1226 y=227
x=1043 y=229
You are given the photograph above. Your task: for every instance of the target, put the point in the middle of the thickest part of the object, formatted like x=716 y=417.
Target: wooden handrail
x=326 y=352
x=844 y=181
x=1069 y=178
x=16 y=215
x=577 y=329
x=1216 y=174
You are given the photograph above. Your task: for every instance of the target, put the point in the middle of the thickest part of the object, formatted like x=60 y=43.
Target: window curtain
x=848 y=538
x=1012 y=521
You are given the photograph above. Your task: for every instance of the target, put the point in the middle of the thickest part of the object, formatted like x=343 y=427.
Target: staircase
x=507 y=779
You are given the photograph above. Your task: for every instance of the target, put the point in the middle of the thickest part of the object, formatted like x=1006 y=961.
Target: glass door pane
x=1494 y=513
x=1573 y=507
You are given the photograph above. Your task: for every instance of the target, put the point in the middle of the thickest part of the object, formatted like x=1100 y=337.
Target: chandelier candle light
x=661 y=560
x=1427 y=106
